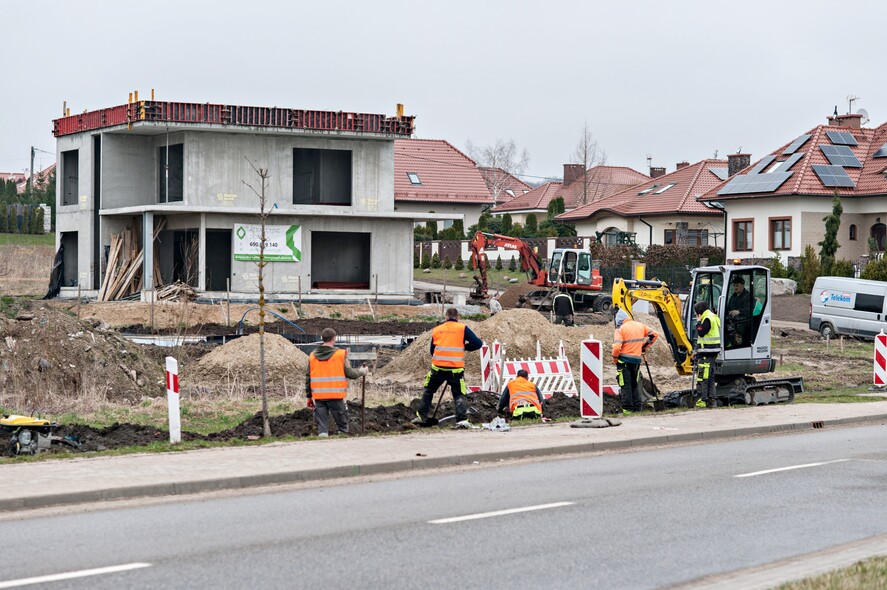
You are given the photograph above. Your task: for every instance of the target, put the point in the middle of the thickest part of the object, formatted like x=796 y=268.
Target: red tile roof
x=505 y=182
x=446 y=174
x=870 y=180
x=603 y=181
x=683 y=186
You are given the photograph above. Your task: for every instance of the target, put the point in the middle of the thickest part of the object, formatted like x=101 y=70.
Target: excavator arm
x=529 y=260
x=668 y=310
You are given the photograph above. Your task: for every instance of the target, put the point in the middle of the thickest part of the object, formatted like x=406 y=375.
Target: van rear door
x=868 y=313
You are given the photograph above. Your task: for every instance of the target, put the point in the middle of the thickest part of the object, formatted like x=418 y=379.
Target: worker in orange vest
x=327 y=383
x=630 y=342
x=449 y=343
x=522 y=397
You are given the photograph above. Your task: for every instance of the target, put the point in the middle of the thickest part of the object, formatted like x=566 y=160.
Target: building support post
x=148 y=260
x=201 y=254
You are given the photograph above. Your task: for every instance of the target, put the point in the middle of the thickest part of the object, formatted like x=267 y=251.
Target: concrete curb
x=236 y=482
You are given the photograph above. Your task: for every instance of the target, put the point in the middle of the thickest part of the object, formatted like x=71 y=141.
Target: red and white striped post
x=591 y=401
x=172 y=400
x=880 y=363
x=561 y=350
x=486 y=371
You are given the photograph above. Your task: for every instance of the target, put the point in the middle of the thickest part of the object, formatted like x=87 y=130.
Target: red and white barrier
x=561 y=350
x=550 y=375
x=591 y=401
x=172 y=400
x=880 y=363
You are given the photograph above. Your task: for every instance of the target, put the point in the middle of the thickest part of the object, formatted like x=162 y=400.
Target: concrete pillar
x=148 y=262
x=201 y=254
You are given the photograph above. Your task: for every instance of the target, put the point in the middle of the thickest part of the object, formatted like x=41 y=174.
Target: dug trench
x=379 y=419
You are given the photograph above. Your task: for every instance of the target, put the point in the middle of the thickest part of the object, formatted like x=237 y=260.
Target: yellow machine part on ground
x=23 y=421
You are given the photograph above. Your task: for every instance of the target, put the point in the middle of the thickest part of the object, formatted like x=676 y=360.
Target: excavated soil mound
x=519 y=329
x=235 y=366
x=50 y=362
x=509 y=298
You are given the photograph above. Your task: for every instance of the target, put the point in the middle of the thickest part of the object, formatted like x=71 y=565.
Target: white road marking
x=790 y=468
x=498 y=513
x=70 y=575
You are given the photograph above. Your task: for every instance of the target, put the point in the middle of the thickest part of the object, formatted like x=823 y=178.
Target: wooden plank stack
x=123 y=274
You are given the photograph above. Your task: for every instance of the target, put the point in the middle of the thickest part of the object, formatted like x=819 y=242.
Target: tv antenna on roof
x=649 y=160
x=851 y=98
x=865 y=116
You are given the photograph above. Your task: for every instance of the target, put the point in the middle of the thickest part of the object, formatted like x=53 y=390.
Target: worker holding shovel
x=449 y=343
x=327 y=383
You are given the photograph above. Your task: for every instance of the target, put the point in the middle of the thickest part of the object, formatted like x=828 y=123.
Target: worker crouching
x=522 y=398
x=630 y=341
x=327 y=383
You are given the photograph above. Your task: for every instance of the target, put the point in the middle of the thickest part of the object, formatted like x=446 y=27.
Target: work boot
x=418 y=421
x=462 y=425
x=323 y=435
x=701 y=403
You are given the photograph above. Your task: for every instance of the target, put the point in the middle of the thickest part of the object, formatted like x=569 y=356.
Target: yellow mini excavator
x=740 y=296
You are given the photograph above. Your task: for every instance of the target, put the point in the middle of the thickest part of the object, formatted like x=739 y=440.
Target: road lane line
x=71 y=575
x=498 y=513
x=790 y=468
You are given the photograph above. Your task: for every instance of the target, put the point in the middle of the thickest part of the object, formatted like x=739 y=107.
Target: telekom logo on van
x=826 y=296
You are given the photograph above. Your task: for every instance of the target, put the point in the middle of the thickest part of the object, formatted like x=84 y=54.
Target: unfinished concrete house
x=154 y=192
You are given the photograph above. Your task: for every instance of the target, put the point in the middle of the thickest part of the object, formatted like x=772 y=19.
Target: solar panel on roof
x=721 y=173
x=755 y=183
x=833 y=176
x=793 y=147
x=784 y=166
x=765 y=161
x=841 y=138
x=881 y=153
x=840 y=155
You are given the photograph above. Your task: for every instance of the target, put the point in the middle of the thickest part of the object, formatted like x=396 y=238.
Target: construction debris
x=123 y=273
x=177 y=291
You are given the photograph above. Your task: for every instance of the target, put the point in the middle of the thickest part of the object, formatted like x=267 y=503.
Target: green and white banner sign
x=283 y=243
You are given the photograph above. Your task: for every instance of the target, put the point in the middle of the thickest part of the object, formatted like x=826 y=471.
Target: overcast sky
x=677 y=80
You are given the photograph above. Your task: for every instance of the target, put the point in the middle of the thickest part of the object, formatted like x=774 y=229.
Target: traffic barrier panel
x=591 y=401
x=550 y=375
x=880 y=362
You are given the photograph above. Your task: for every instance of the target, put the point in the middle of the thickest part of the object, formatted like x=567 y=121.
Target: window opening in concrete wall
x=70 y=177
x=321 y=177
x=185 y=265
x=172 y=169
x=218 y=259
x=69 y=258
x=340 y=260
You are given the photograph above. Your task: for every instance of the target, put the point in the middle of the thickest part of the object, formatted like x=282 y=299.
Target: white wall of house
x=656 y=228
x=470 y=212
x=807 y=227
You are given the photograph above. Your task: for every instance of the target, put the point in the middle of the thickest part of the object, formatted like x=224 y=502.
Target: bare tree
x=502 y=159
x=263 y=215
x=590 y=155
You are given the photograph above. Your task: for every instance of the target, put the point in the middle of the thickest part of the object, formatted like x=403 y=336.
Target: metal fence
x=677 y=277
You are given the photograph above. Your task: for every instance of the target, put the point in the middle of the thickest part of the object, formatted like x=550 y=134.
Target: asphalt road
x=646 y=519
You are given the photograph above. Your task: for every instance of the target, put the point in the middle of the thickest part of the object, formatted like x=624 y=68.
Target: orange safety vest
x=449 y=345
x=629 y=341
x=328 y=379
x=522 y=390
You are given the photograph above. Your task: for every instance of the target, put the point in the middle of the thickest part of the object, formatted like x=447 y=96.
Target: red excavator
x=570 y=270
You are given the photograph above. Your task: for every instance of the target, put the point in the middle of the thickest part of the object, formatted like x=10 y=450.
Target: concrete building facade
x=193 y=168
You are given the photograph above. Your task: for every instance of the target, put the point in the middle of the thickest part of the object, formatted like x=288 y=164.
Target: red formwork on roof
x=218 y=114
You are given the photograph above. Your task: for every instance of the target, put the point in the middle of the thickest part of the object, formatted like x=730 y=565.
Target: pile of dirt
x=510 y=297
x=51 y=362
x=235 y=367
x=519 y=329
x=379 y=419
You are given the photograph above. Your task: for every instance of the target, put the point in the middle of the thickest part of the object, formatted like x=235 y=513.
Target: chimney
x=680 y=165
x=736 y=162
x=853 y=121
x=572 y=172
x=656 y=172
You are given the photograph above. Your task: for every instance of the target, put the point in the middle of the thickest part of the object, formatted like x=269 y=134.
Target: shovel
x=363 y=400
x=432 y=420
x=657 y=403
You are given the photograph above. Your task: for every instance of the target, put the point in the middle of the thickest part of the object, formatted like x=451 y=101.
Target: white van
x=850 y=307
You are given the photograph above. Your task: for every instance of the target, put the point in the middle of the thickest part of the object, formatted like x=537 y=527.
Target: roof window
x=665 y=188
x=509 y=191
x=414 y=178
x=647 y=190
